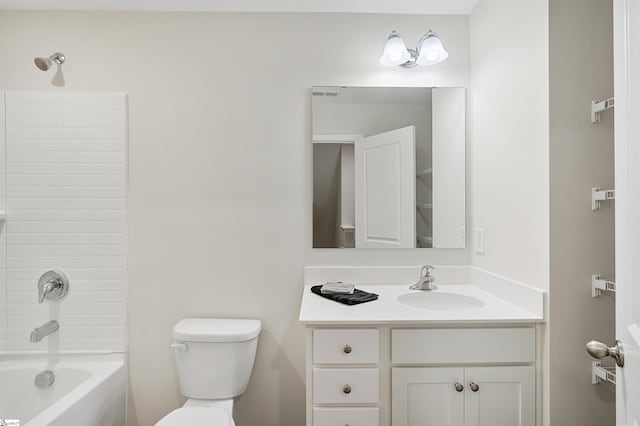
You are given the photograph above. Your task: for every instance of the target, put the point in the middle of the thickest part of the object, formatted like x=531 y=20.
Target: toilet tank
x=215 y=356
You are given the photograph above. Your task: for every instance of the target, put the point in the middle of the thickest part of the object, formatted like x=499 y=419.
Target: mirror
x=388 y=167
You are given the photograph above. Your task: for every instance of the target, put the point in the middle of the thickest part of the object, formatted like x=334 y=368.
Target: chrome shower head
x=45 y=63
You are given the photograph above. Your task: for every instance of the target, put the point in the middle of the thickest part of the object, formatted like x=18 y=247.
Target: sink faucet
x=43 y=331
x=426 y=280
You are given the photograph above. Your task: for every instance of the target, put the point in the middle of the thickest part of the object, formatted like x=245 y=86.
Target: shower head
x=45 y=63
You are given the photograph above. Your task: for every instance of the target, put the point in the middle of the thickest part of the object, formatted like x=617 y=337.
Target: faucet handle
x=426 y=271
x=52 y=285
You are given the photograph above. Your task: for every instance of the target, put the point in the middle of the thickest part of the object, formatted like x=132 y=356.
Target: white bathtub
x=89 y=390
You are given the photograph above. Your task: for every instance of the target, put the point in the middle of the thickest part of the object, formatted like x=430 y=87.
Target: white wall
x=582 y=241
x=66 y=192
x=510 y=137
x=220 y=167
x=509 y=148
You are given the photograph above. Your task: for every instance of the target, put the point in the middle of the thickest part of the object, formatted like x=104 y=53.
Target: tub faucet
x=426 y=280
x=43 y=331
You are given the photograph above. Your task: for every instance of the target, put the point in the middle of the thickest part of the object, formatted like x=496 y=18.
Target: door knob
x=459 y=387
x=346 y=349
x=474 y=387
x=346 y=389
x=599 y=350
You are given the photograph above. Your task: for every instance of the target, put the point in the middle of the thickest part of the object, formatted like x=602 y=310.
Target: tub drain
x=44 y=379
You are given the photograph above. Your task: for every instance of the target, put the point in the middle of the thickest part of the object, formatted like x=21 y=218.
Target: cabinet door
x=505 y=396
x=427 y=396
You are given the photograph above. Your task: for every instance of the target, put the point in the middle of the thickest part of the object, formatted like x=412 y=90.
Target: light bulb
x=431 y=51
x=395 y=51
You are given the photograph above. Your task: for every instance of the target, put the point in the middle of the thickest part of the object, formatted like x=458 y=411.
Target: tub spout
x=43 y=331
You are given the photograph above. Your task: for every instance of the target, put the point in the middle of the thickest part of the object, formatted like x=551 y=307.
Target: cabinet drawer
x=336 y=346
x=345 y=416
x=345 y=385
x=463 y=345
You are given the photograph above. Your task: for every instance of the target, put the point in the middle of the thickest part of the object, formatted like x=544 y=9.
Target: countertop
x=316 y=310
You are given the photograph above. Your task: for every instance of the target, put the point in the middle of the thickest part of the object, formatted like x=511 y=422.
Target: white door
x=427 y=396
x=500 y=396
x=385 y=195
x=627 y=158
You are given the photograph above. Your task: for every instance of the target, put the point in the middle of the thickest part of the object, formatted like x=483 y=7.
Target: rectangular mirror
x=388 y=167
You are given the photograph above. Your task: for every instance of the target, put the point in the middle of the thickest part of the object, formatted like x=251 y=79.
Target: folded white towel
x=337 y=287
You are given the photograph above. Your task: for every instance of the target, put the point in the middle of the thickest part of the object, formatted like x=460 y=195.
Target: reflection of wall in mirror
x=449 y=167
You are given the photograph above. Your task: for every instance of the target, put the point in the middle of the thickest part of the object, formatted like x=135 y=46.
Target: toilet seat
x=196 y=416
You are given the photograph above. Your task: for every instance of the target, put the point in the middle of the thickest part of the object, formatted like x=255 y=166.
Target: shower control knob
x=474 y=387
x=346 y=349
x=599 y=350
x=346 y=389
x=459 y=387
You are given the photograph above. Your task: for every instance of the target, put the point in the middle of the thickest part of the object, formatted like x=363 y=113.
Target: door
x=500 y=396
x=627 y=158
x=427 y=396
x=385 y=195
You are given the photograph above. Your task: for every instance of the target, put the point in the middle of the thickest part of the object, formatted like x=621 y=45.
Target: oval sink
x=439 y=301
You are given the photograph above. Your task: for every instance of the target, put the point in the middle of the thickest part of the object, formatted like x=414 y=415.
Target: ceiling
x=436 y=7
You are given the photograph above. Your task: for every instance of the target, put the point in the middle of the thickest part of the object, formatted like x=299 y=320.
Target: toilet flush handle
x=179 y=347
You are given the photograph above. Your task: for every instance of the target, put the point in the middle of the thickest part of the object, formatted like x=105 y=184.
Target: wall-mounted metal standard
x=52 y=285
x=598 y=106
x=599 y=285
x=599 y=195
x=601 y=374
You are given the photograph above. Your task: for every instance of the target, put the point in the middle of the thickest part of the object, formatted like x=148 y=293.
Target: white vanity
x=464 y=354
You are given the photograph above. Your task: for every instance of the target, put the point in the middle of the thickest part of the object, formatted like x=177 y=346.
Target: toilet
x=214 y=359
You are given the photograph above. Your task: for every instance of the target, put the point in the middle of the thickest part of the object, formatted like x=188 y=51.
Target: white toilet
x=214 y=358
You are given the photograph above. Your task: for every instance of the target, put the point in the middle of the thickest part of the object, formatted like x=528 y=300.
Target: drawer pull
x=346 y=389
x=474 y=387
x=459 y=387
x=346 y=349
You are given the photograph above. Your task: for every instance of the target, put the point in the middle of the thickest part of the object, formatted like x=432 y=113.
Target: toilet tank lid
x=216 y=330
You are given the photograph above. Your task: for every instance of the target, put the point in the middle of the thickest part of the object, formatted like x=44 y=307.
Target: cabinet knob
x=459 y=387
x=346 y=349
x=346 y=389
x=474 y=387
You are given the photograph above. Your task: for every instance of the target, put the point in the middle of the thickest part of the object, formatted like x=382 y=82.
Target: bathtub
x=89 y=390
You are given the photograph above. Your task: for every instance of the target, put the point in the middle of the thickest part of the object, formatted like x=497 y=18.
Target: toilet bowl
x=214 y=358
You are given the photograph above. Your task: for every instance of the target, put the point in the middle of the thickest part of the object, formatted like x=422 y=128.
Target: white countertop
x=388 y=310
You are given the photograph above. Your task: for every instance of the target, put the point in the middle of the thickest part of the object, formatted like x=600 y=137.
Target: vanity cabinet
x=472 y=396
x=389 y=375
x=345 y=377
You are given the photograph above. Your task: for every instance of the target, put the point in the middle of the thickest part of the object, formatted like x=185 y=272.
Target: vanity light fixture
x=429 y=51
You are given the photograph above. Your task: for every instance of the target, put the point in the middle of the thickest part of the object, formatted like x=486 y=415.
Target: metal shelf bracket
x=599 y=285
x=600 y=374
x=598 y=106
x=599 y=195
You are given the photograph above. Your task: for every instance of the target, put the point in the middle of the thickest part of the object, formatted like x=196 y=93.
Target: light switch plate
x=479 y=241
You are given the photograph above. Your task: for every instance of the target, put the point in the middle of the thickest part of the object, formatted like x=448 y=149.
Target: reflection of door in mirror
x=385 y=193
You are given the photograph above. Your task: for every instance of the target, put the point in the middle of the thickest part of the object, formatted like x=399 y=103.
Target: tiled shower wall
x=66 y=194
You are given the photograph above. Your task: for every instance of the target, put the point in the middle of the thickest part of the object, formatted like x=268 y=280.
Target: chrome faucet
x=43 y=331
x=426 y=280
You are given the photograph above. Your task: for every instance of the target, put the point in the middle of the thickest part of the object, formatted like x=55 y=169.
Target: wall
x=509 y=137
x=220 y=194
x=509 y=149
x=581 y=69
x=66 y=172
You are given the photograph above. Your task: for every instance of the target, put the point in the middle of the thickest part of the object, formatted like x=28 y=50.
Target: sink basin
x=440 y=301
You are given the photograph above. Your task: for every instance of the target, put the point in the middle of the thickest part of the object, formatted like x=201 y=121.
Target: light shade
x=430 y=50
x=395 y=51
